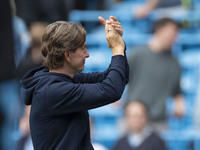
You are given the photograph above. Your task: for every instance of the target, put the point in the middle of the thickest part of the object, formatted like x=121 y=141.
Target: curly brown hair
x=59 y=37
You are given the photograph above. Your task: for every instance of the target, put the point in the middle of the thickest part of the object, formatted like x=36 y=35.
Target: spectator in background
x=9 y=89
x=155 y=74
x=33 y=57
x=140 y=135
x=164 y=7
x=14 y=42
x=21 y=35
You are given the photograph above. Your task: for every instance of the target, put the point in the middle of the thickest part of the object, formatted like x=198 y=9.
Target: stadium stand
x=181 y=135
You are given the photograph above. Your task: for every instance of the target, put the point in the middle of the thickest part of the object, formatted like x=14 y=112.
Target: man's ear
x=67 y=56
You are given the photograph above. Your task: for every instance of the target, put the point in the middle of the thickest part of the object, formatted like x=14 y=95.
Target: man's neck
x=157 y=45
x=63 y=70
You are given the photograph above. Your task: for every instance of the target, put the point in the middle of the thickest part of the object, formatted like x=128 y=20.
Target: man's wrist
x=118 y=52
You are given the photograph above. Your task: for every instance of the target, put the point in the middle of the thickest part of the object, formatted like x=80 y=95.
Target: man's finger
x=102 y=20
x=113 y=18
x=116 y=25
x=118 y=29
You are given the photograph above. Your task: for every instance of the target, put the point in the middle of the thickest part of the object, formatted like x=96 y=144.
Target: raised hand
x=113 y=36
x=114 y=23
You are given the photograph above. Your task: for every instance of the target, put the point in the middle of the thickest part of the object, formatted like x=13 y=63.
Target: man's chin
x=81 y=69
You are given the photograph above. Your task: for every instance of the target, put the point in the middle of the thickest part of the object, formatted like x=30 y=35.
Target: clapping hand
x=114 y=34
x=114 y=23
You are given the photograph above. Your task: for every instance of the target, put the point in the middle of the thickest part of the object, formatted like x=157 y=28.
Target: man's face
x=167 y=34
x=136 y=117
x=77 y=60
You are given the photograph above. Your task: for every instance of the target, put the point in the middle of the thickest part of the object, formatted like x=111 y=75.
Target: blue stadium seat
x=190 y=60
x=182 y=140
x=105 y=124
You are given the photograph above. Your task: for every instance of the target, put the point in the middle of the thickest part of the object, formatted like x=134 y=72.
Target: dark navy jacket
x=59 y=118
x=153 y=142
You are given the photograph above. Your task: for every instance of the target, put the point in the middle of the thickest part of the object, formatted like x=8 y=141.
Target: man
x=155 y=73
x=140 y=135
x=60 y=95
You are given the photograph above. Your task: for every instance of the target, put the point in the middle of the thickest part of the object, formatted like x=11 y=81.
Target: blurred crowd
x=155 y=74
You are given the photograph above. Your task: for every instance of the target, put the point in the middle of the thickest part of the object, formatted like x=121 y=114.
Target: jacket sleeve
x=94 y=77
x=66 y=98
x=97 y=77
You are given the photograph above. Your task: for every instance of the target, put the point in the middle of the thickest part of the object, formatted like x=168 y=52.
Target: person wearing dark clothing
x=60 y=95
x=6 y=50
x=6 y=43
x=153 y=142
x=8 y=84
x=26 y=64
x=140 y=135
x=33 y=56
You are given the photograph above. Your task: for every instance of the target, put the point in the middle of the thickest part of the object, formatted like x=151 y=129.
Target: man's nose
x=86 y=53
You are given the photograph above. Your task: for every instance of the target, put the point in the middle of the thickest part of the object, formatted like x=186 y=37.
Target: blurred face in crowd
x=77 y=59
x=167 y=34
x=136 y=117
